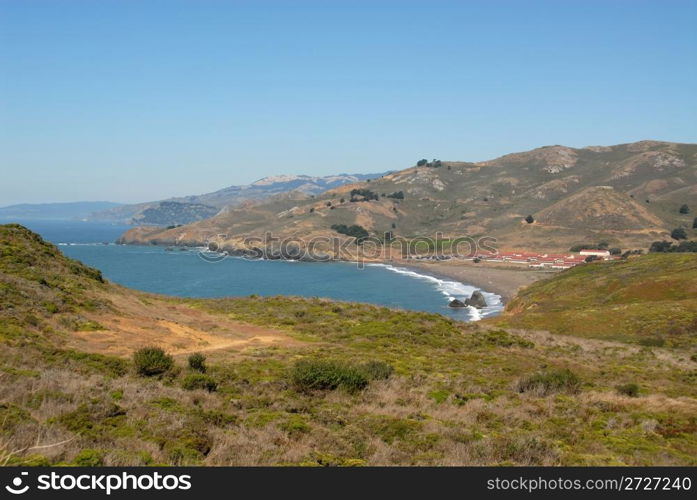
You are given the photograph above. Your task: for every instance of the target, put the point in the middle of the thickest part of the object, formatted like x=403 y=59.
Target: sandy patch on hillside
x=177 y=328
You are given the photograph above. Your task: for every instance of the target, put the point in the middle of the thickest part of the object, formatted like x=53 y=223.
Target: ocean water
x=186 y=274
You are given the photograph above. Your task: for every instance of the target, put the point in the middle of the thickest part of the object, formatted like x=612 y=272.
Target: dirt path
x=175 y=327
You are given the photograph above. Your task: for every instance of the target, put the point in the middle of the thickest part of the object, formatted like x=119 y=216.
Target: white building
x=603 y=254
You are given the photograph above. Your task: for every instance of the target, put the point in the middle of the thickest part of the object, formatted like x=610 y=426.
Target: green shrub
x=502 y=338
x=195 y=381
x=549 y=382
x=377 y=370
x=197 y=362
x=89 y=458
x=151 y=361
x=310 y=375
x=631 y=390
x=679 y=233
x=652 y=342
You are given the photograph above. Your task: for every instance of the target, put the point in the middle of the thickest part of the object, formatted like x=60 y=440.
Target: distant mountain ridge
x=206 y=205
x=628 y=195
x=69 y=210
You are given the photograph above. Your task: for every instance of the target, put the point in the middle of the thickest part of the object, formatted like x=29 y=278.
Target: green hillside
x=289 y=381
x=649 y=300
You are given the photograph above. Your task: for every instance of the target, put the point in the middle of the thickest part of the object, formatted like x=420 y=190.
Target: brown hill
x=627 y=194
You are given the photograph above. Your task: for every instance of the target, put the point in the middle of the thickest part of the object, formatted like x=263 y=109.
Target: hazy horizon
x=138 y=101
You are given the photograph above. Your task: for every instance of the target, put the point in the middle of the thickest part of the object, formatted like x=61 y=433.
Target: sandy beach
x=503 y=281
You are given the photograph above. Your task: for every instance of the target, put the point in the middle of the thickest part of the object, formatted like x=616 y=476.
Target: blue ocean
x=186 y=274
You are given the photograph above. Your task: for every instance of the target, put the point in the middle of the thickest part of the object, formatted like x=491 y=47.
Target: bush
x=529 y=219
x=397 y=195
x=615 y=251
x=355 y=231
x=666 y=246
x=152 y=361
x=684 y=209
x=310 y=375
x=694 y=223
x=89 y=458
x=197 y=362
x=631 y=390
x=363 y=194
x=195 y=381
x=679 y=233
x=652 y=341
x=549 y=382
x=377 y=370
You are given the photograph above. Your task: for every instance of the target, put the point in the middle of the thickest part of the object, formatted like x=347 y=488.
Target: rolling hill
x=648 y=300
x=627 y=195
x=187 y=209
x=288 y=381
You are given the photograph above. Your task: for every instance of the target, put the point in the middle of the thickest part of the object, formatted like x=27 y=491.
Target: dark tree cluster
x=363 y=195
x=684 y=209
x=667 y=246
x=529 y=219
x=679 y=233
x=432 y=164
x=397 y=195
x=603 y=245
x=354 y=231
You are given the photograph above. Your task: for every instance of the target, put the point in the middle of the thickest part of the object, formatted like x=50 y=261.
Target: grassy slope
x=649 y=299
x=453 y=398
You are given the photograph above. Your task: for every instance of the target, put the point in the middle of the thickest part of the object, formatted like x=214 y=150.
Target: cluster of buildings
x=546 y=260
x=533 y=260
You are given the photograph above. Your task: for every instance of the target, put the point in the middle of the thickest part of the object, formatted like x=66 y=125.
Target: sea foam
x=454 y=290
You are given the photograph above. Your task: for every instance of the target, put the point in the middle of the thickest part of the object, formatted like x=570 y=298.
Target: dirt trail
x=176 y=327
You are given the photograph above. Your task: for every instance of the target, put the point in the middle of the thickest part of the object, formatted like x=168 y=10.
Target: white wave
x=454 y=290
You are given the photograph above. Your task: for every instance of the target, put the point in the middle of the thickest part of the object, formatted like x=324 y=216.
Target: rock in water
x=476 y=300
x=456 y=303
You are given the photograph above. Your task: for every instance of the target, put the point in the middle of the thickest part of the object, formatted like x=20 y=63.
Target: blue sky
x=139 y=100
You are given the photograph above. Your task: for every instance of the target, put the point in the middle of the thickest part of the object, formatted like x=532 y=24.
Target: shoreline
x=503 y=281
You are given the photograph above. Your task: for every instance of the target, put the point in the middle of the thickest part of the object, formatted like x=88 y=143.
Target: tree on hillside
x=660 y=246
x=592 y=258
x=679 y=233
x=684 y=209
x=421 y=162
x=694 y=223
x=529 y=219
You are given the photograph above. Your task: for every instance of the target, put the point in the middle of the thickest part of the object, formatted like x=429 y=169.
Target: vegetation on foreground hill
x=354 y=384
x=647 y=300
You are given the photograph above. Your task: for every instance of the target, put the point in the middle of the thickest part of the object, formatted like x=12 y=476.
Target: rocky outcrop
x=476 y=300
x=457 y=303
